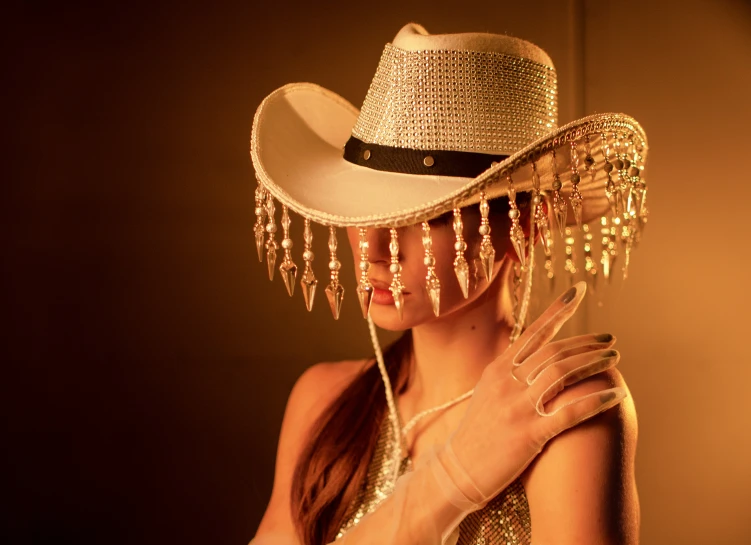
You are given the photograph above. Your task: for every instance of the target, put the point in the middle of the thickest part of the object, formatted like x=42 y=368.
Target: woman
x=474 y=428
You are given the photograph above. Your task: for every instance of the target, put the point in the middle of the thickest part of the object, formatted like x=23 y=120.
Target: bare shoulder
x=321 y=383
x=581 y=488
x=315 y=390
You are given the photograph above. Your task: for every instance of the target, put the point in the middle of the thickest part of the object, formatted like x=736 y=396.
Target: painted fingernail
x=604 y=338
x=569 y=296
x=616 y=394
x=611 y=353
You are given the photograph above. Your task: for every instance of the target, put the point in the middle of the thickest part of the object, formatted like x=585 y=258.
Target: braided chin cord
x=393 y=415
x=526 y=293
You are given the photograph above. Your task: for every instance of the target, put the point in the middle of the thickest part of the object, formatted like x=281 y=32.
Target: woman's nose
x=378 y=245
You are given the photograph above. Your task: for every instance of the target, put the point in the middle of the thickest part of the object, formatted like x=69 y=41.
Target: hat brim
x=297 y=143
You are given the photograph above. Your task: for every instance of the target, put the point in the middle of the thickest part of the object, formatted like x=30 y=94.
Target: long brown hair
x=333 y=465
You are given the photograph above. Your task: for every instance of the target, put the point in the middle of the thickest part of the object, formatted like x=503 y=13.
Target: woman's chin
x=385 y=315
x=383 y=311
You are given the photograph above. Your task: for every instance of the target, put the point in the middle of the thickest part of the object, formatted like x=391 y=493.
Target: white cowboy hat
x=449 y=120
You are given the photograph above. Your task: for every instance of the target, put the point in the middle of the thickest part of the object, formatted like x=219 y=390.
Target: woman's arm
x=306 y=402
x=581 y=488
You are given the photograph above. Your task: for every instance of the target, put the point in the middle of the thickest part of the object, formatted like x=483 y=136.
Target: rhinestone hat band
x=478 y=101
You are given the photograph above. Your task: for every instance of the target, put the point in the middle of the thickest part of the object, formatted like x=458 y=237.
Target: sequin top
x=503 y=521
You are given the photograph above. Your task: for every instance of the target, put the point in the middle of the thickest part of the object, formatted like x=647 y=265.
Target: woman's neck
x=451 y=353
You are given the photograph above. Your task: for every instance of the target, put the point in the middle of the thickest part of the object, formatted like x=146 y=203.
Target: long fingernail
x=604 y=338
x=569 y=296
x=616 y=394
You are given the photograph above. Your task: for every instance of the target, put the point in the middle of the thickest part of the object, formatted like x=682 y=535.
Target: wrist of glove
x=456 y=487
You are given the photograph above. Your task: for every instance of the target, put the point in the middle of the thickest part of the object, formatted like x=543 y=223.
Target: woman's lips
x=382 y=297
x=382 y=293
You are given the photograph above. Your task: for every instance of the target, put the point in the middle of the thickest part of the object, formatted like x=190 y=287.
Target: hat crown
x=414 y=37
x=475 y=92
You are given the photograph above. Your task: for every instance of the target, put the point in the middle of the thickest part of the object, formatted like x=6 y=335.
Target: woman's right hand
x=506 y=424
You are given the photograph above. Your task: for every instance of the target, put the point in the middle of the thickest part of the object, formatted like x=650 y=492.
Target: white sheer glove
x=506 y=424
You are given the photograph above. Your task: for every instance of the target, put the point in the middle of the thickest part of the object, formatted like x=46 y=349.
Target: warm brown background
x=147 y=361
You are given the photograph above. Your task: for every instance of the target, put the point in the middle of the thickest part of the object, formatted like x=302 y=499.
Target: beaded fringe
x=620 y=230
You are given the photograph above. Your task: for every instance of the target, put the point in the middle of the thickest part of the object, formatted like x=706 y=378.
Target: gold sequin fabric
x=504 y=521
x=458 y=100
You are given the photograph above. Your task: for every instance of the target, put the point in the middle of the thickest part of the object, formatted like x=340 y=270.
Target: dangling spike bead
x=396 y=270
x=259 y=229
x=627 y=239
x=576 y=197
x=623 y=183
x=516 y=233
x=631 y=191
x=638 y=172
x=640 y=192
x=461 y=267
x=541 y=218
x=271 y=245
x=625 y=190
x=610 y=190
x=629 y=244
x=432 y=284
x=614 y=196
x=549 y=264
x=487 y=252
x=559 y=203
x=643 y=210
x=516 y=299
x=619 y=163
x=589 y=166
x=334 y=291
x=308 y=281
x=364 y=287
x=287 y=269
